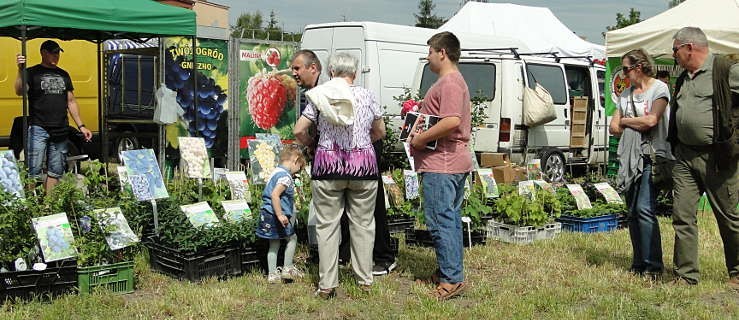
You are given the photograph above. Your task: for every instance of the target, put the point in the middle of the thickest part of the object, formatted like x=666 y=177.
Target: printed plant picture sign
x=263 y=158
x=219 y=174
x=10 y=180
x=270 y=137
x=144 y=174
x=395 y=195
x=489 y=186
x=239 y=185
x=194 y=157
x=123 y=178
x=527 y=188
x=55 y=237
x=533 y=169
x=236 y=210
x=200 y=214
x=411 y=184
x=118 y=233
x=544 y=185
x=610 y=194
x=582 y=200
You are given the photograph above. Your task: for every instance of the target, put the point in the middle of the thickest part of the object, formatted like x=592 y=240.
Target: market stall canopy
x=719 y=19
x=94 y=20
x=536 y=27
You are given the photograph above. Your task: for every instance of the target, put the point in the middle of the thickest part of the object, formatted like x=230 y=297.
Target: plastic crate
x=194 y=266
x=548 y=231
x=418 y=237
x=398 y=224
x=251 y=257
x=60 y=277
x=509 y=233
x=589 y=225
x=117 y=277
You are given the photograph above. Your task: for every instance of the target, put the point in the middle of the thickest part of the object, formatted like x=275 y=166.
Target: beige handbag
x=538 y=106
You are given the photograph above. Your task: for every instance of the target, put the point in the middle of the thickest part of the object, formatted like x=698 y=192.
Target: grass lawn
x=574 y=276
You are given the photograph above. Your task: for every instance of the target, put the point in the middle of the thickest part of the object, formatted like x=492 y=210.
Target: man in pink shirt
x=445 y=169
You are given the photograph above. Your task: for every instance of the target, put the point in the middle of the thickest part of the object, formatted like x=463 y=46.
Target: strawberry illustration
x=266 y=96
x=272 y=57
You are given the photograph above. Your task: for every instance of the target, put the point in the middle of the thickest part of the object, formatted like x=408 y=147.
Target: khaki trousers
x=331 y=198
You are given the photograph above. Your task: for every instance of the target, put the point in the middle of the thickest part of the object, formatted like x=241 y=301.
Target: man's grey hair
x=309 y=58
x=692 y=35
x=343 y=64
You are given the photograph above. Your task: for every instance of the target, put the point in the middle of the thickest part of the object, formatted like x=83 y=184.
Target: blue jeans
x=443 y=194
x=643 y=224
x=39 y=145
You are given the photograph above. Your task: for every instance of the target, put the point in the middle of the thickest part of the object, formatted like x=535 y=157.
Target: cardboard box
x=520 y=174
x=579 y=103
x=492 y=160
x=504 y=174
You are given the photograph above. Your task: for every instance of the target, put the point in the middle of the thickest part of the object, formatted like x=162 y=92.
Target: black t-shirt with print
x=47 y=95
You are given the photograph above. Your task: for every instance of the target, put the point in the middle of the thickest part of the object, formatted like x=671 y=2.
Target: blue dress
x=269 y=227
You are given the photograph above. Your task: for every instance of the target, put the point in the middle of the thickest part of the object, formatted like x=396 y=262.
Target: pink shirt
x=448 y=97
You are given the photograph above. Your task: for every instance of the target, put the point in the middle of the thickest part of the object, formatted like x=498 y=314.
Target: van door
x=580 y=85
x=320 y=41
x=600 y=120
x=351 y=40
x=552 y=77
x=481 y=82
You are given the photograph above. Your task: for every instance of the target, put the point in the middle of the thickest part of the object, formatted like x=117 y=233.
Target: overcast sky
x=585 y=17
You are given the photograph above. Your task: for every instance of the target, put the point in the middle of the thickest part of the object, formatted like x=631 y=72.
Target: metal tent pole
x=24 y=77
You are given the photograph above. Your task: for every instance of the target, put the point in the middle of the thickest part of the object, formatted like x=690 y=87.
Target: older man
x=703 y=134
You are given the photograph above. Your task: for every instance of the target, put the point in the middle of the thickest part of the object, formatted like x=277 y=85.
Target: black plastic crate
x=251 y=257
x=398 y=224
x=60 y=277
x=194 y=266
x=422 y=238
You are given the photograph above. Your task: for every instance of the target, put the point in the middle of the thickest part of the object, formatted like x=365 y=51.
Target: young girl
x=277 y=217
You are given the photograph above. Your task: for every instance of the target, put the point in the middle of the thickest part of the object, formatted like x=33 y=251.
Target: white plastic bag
x=167 y=108
x=538 y=106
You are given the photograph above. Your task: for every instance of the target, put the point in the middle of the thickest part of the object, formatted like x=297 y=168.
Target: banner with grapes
x=267 y=91
x=202 y=107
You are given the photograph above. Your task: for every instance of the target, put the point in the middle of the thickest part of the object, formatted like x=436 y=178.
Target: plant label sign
x=411 y=161
x=144 y=174
x=411 y=184
x=527 y=188
x=608 y=192
x=9 y=178
x=194 y=157
x=200 y=214
x=236 y=210
x=219 y=174
x=239 y=185
x=263 y=156
x=55 y=236
x=489 y=187
x=583 y=202
x=544 y=185
x=533 y=169
x=393 y=190
x=118 y=233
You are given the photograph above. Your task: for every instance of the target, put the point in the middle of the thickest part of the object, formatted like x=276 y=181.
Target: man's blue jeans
x=39 y=145
x=443 y=194
x=643 y=225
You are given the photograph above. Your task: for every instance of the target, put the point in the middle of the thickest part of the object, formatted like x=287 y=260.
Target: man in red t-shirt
x=445 y=169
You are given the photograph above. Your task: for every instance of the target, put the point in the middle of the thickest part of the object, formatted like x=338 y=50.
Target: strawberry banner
x=267 y=91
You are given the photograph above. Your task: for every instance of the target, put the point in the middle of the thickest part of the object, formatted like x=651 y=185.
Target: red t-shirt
x=448 y=97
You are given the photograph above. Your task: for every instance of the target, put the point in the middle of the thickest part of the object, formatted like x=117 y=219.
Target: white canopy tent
x=536 y=27
x=719 y=19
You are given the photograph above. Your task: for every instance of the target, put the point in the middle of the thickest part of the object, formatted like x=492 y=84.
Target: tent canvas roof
x=719 y=19
x=538 y=28
x=94 y=19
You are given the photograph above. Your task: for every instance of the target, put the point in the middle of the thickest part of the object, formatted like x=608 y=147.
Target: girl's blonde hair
x=641 y=58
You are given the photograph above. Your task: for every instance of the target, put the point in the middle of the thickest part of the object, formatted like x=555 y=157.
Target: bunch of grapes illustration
x=146 y=179
x=208 y=96
x=56 y=241
x=9 y=179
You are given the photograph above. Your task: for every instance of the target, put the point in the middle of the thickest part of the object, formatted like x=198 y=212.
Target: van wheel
x=128 y=142
x=553 y=165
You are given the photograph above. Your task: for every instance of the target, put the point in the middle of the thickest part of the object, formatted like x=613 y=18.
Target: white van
x=388 y=53
x=500 y=76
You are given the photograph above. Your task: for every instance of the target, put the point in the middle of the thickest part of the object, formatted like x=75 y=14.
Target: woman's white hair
x=342 y=64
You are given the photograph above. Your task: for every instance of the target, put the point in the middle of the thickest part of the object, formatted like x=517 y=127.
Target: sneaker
x=734 y=283
x=381 y=270
x=325 y=294
x=291 y=273
x=274 y=278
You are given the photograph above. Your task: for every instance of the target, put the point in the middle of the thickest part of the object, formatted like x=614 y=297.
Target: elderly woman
x=344 y=173
x=643 y=129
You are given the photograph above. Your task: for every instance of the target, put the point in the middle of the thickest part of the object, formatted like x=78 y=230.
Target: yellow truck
x=78 y=58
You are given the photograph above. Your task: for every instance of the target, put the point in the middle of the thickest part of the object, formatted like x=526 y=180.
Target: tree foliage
x=425 y=17
x=252 y=25
x=674 y=3
x=623 y=21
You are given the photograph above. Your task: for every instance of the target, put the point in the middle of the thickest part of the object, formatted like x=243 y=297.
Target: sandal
x=433 y=279
x=441 y=293
x=326 y=294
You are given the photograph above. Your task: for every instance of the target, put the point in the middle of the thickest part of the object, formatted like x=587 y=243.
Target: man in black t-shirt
x=50 y=96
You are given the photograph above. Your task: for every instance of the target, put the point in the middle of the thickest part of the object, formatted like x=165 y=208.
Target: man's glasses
x=675 y=49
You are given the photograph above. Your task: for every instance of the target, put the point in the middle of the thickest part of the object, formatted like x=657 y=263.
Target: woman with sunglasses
x=641 y=122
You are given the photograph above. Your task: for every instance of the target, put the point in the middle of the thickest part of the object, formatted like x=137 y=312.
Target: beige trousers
x=331 y=198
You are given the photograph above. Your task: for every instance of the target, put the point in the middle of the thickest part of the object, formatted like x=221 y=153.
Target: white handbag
x=538 y=106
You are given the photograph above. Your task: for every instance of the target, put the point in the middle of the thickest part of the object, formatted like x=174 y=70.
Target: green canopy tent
x=92 y=20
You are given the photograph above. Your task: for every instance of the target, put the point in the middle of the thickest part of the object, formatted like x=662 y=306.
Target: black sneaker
x=381 y=270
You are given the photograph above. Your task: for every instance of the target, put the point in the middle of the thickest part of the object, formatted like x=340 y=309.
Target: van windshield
x=480 y=79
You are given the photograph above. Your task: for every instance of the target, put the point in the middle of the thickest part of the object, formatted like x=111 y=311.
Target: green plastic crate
x=117 y=277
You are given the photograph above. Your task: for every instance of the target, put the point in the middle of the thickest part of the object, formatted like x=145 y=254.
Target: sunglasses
x=626 y=69
x=675 y=49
